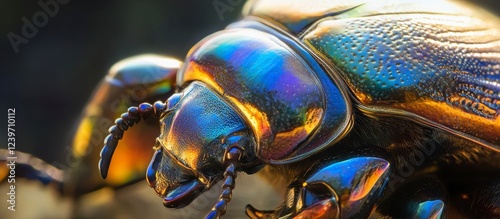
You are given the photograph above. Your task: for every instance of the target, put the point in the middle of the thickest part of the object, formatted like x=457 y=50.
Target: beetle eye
x=173 y=100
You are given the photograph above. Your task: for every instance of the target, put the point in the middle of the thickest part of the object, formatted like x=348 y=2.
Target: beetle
x=300 y=180
x=354 y=106
x=75 y=189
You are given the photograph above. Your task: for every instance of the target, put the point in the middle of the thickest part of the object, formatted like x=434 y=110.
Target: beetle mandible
x=353 y=104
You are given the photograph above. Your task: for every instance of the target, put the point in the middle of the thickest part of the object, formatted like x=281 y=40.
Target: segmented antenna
x=232 y=161
x=128 y=119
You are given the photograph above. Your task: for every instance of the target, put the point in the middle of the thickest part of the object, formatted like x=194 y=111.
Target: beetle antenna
x=128 y=119
x=233 y=161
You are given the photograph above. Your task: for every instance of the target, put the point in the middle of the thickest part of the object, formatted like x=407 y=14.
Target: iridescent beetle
x=359 y=107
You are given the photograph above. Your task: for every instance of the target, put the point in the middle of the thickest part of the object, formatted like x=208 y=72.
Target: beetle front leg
x=421 y=198
x=143 y=78
x=344 y=189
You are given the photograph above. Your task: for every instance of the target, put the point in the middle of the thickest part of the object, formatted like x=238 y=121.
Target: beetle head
x=197 y=130
x=243 y=89
x=201 y=137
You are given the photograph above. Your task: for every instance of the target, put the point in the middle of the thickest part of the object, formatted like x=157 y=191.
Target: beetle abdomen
x=432 y=68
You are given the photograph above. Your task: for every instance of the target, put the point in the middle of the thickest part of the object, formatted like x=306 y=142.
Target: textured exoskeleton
x=359 y=108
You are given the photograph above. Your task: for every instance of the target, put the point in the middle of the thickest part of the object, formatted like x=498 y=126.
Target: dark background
x=51 y=78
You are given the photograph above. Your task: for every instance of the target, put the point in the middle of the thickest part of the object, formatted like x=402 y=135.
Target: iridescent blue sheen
x=355 y=182
x=430 y=209
x=431 y=68
x=197 y=125
x=280 y=90
x=264 y=64
x=338 y=112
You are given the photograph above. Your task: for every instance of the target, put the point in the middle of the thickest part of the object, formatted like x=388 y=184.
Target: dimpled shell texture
x=435 y=62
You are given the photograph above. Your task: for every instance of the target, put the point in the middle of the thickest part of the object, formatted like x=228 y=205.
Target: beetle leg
x=143 y=78
x=355 y=183
x=344 y=189
x=325 y=209
x=30 y=167
x=432 y=209
x=424 y=197
x=233 y=160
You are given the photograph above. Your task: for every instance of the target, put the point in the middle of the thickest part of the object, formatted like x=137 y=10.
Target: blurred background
x=50 y=78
